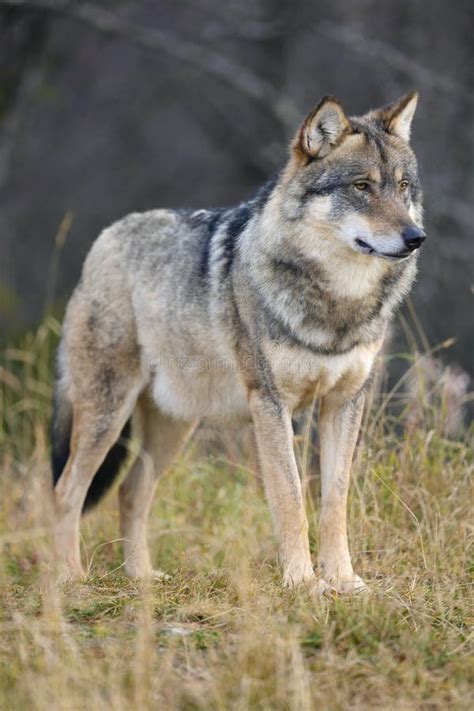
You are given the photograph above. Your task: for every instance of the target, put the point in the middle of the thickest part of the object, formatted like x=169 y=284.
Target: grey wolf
x=284 y=298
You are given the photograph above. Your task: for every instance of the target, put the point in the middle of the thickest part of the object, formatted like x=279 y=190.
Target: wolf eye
x=361 y=185
x=403 y=185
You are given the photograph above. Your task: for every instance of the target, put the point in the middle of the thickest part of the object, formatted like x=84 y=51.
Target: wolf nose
x=413 y=237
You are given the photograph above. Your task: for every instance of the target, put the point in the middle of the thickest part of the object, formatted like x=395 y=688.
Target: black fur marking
x=323 y=186
x=279 y=330
x=266 y=381
x=60 y=439
x=236 y=225
x=214 y=219
x=211 y=219
x=264 y=193
x=109 y=469
x=205 y=255
x=236 y=221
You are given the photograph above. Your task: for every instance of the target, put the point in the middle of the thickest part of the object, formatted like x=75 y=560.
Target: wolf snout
x=413 y=237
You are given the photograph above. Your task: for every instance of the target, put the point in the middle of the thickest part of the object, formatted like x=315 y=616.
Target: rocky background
x=112 y=107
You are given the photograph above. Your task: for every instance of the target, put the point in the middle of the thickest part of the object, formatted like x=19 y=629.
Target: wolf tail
x=61 y=438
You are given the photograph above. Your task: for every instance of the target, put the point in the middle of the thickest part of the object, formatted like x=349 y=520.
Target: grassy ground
x=222 y=633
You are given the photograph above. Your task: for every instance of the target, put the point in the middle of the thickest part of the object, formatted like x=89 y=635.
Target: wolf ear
x=397 y=117
x=323 y=129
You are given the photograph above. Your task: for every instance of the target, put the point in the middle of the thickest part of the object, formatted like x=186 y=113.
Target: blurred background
x=112 y=107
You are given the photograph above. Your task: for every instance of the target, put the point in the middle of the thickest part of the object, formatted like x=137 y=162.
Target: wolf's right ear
x=322 y=129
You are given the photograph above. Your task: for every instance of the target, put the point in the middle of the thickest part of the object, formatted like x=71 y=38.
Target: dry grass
x=222 y=634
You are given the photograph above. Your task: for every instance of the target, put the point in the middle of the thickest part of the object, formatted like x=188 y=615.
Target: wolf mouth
x=368 y=249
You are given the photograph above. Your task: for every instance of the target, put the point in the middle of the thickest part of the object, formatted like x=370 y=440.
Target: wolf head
x=355 y=179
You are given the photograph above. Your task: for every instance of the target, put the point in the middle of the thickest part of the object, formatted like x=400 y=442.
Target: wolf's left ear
x=322 y=129
x=397 y=117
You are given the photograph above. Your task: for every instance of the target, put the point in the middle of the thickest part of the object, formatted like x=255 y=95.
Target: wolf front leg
x=339 y=425
x=274 y=436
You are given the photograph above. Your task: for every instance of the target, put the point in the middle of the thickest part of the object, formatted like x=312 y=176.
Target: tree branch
x=395 y=59
x=208 y=60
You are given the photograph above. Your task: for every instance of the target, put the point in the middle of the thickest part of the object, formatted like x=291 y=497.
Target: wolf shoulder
x=138 y=238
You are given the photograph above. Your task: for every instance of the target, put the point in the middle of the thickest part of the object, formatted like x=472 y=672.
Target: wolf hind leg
x=96 y=426
x=163 y=439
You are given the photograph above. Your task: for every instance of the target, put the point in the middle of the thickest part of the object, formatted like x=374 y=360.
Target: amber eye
x=361 y=185
x=403 y=185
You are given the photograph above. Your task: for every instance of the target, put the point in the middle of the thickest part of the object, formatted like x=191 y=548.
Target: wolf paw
x=67 y=573
x=351 y=586
x=146 y=574
x=318 y=586
x=312 y=584
x=160 y=575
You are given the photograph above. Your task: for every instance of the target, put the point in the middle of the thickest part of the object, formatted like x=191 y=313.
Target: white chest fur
x=206 y=389
x=300 y=375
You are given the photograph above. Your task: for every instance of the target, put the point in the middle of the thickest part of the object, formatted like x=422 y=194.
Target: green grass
x=222 y=633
